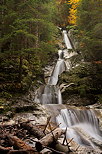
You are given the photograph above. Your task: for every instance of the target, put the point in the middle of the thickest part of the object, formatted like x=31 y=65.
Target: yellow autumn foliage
x=73 y=11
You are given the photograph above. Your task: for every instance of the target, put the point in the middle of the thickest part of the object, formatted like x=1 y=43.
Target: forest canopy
x=28 y=33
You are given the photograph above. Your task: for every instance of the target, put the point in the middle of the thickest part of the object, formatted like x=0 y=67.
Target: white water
x=59 y=97
x=51 y=95
x=59 y=68
x=77 y=121
x=66 y=40
x=66 y=53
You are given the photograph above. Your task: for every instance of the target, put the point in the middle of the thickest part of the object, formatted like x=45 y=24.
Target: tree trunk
x=4 y=150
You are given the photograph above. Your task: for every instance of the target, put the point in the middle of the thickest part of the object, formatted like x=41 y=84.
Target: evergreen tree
x=90 y=37
x=28 y=33
x=90 y=26
x=63 y=12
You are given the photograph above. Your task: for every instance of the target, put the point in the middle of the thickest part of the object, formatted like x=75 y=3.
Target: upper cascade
x=66 y=40
x=51 y=92
x=60 y=67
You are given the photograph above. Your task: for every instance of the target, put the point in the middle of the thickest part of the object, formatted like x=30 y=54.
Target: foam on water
x=75 y=120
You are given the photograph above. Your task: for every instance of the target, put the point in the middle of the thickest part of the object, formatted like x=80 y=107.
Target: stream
x=82 y=124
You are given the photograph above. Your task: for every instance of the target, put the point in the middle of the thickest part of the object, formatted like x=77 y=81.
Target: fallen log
x=18 y=152
x=19 y=144
x=33 y=129
x=49 y=139
x=4 y=150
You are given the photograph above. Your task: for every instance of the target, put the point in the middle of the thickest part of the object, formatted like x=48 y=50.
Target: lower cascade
x=82 y=125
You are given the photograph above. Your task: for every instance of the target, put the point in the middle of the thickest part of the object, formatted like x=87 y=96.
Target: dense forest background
x=29 y=40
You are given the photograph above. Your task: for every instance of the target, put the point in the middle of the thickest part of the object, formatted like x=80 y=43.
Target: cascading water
x=68 y=52
x=59 y=68
x=66 y=40
x=51 y=93
x=78 y=121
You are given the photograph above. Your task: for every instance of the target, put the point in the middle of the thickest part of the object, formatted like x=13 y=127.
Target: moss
x=5 y=105
x=99 y=98
x=5 y=95
x=82 y=90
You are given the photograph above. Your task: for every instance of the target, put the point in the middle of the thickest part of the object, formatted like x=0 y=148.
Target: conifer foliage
x=89 y=22
x=27 y=34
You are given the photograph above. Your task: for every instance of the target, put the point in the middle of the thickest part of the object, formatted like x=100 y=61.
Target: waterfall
x=82 y=125
x=78 y=121
x=67 y=53
x=66 y=40
x=51 y=93
x=59 y=68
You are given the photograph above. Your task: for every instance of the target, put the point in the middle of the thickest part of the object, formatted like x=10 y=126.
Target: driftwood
x=49 y=139
x=4 y=150
x=33 y=129
x=19 y=144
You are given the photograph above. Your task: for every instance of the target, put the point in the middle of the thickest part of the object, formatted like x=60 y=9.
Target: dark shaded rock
x=9 y=114
x=80 y=101
x=24 y=108
x=1 y=109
